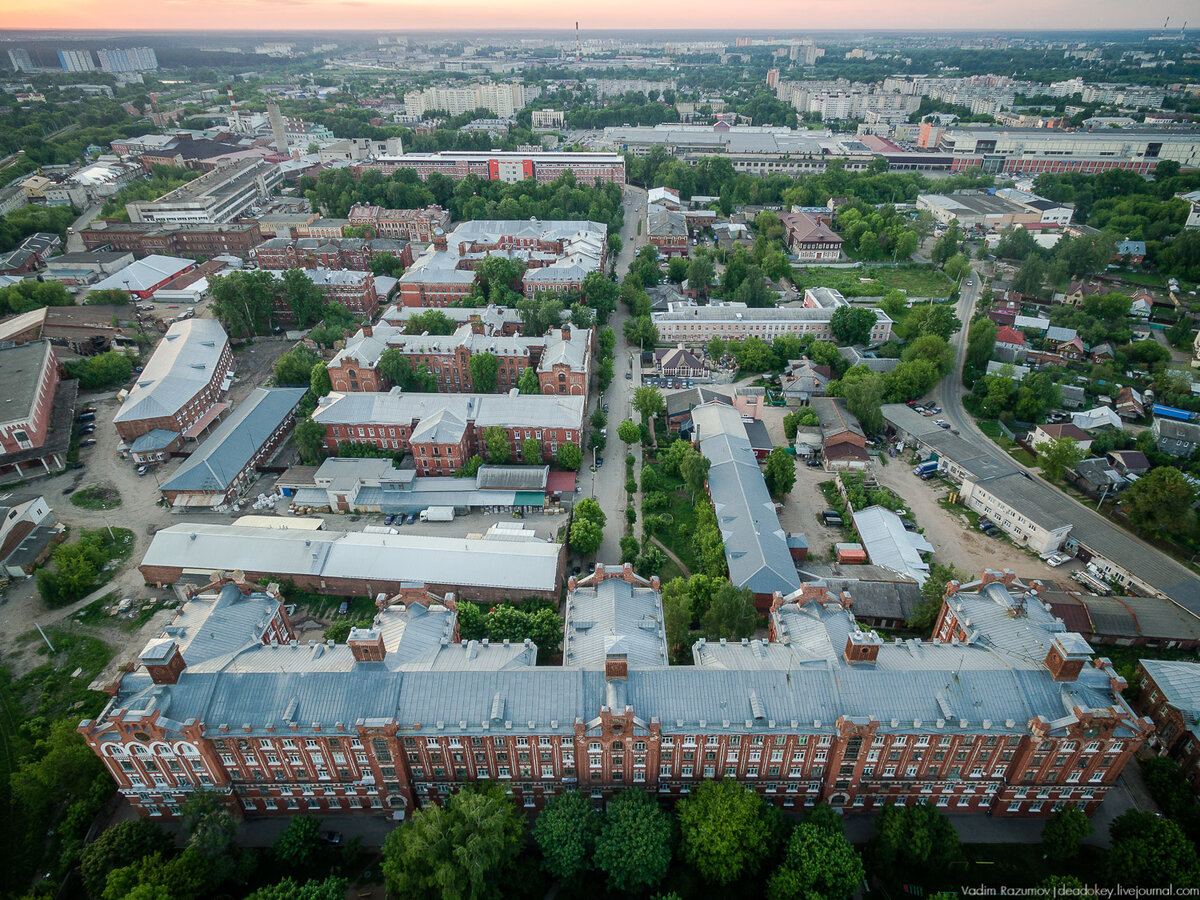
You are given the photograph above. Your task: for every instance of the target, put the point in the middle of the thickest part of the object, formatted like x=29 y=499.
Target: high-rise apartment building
x=76 y=60
x=127 y=59
x=501 y=99
x=21 y=60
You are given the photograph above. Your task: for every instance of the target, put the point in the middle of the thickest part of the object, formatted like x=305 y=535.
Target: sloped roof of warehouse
x=755 y=543
x=181 y=365
x=233 y=444
x=397 y=407
x=531 y=565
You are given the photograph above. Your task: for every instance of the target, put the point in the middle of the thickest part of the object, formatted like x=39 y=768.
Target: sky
x=790 y=16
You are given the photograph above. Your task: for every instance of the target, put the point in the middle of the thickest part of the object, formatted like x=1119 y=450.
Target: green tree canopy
x=484 y=368
x=1063 y=832
x=780 y=472
x=634 y=846
x=310 y=442
x=528 y=382
x=464 y=849
x=819 y=862
x=569 y=457
x=730 y=614
x=319 y=382
x=629 y=432
x=566 y=831
x=1160 y=501
x=495 y=442
x=725 y=831
x=295 y=367
x=852 y=324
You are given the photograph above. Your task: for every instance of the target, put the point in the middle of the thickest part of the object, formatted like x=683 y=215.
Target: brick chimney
x=368 y=330
x=1067 y=656
x=862 y=647
x=163 y=661
x=366 y=644
x=566 y=332
x=439 y=239
x=616 y=659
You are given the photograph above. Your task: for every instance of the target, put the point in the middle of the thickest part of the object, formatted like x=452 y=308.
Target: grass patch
x=1023 y=456
x=679 y=537
x=991 y=429
x=78 y=568
x=108 y=611
x=915 y=280
x=97 y=496
x=325 y=606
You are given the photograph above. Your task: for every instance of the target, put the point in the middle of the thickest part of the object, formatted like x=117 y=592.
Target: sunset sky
x=785 y=15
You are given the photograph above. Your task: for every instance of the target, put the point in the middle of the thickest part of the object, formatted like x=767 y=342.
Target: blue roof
x=157 y=439
x=234 y=443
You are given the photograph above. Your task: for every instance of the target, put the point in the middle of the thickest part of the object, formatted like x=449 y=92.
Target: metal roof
x=755 y=543
x=234 y=443
x=888 y=543
x=614 y=616
x=182 y=364
x=467 y=562
x=398 y=408
x=145 y=273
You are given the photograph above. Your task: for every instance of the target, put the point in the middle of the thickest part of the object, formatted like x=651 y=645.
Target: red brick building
x=508 y=166
x=408 y=224
x=442 y=431
x=339 y=253
x=355 y=290
x=1170 y=697
x=561 y=358
x=147 y=239
x=822 y=712
x=809 y=236
x=36 y=428
x=181 y=386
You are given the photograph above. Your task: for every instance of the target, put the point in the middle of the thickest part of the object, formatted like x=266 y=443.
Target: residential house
x=681 y=403
x=35 y=427
x=808 y=235
x=1004 y=312
x=679 y=362
x=1129 y=462
x=28 y=532
x=1142 y=305
x=1180 y=439
x=1102 y=353
x=858 y=357
x=1099 y=417
x=760 y=440
x=1044 y=434
x=802 y=380
x=1010 y=344
x=667 y=230
x=1130 y=404
x=1130 y=253
x=1073 y=396
x=1097 y=477
x=1077 y=290
x=843 y=444
x=1072 y=348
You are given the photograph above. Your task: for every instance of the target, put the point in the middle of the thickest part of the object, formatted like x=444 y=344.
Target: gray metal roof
x=530 y=565
x=154 y=440
x=234 y=443
x=755 y=543
x=145 y=273
x=484 y=410
x=180 y=367
x=614 y=615
x=21 y=369
x=513 y=478
x=888 y=544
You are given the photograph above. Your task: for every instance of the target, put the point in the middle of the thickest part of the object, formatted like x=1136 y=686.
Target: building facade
x=337 y=253
x=146 y=239
x=442 y=431
x=508 y=166
x=409 y=224
x=1007 y=719
x=691 y=324
x=219 y=196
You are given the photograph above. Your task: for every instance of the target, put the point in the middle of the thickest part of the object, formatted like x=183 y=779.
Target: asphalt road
x=607 y=485
x=1085 y=521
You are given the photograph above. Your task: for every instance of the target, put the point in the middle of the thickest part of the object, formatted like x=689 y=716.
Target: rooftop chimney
x=862 y=647
x=1067 y=656
x=163 y=661
x=366 y=644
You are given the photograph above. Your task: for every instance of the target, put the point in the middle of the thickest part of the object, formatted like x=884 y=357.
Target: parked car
x=831 y=517
x=909 y=524
x=986 y=525
x=87 y=429
x=629 y=376
x=389 y=519
x=90 y=442
x=412 y=517
x=344 y=608
x=142 y=470
x=332 y=837
x=88 y=409
x=937 y=410
x=599 y=462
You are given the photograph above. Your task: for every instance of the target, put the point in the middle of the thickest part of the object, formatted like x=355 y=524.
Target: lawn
x=107 y=611
x=97 y=496
x=876 y=281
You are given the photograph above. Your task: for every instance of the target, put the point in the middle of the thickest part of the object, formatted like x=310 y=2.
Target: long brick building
x=35 y=428
x=354 y=290
x=1170 y=697
x=561 y=358
x=180 y=389
x=408 y=224
x=557 y=256
x=542 y=166
x=1012 y=719
x=328 y=253
x=442 y=431
x=150 y=238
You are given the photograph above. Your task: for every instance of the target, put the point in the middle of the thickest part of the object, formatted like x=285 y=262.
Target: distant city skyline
x=392 y=15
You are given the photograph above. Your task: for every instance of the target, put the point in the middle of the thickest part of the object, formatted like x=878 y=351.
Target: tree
x=640 y=330
x=1149 y=851
x=634 y=846
x=310 y=442
x=629 y=432
x=1030 y=276
x=795 y=420
x=932 y=593
x=460 y=850
x=648 y=402
x=121 y=845
x=1058 y=455
x=528 y=382
x=1016 y=243
x=677 y=614
x=484 y=368
x=108 y=297
x=295 y=367
x=569 y=457
x=104 y=370
x=931 y=348
x=329 y=888
x=432 y=321
x=395 y=369
x=566 y=831
x=677 y=269
x=912 y=841
x=819 y=862
x=297 y=847
x=531 y=452
x=724 y=831
x=582 y=316
x=495 y=442
x=700 y=275
x=587 y=526
x=932 y=318
x=386 y=264
x=1160 y=501
x=303 y=298
x=947 y=245
x=981 y=341
x=319 y=382
x=780 y=472
x=1063 y=832
x=730 y=614
x=852 y=324
x=864 y=397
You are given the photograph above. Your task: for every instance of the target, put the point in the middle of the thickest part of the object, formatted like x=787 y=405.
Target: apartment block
x=561 y=358
x=692 y=324
x=128 y=59
x=442 y=431
x=1009 y=716
x=502 y=99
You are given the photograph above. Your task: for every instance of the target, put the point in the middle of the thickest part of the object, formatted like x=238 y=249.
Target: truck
x=926 y=468
x=438 y=514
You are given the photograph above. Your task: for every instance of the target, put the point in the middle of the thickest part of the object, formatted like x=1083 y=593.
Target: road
x=74 y=241
x=1088 y=526
x=607 y=485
